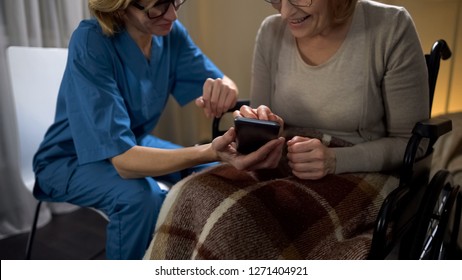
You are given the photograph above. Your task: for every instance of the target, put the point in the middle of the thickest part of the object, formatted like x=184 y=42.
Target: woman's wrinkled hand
x=260 y=113
x=309 y=158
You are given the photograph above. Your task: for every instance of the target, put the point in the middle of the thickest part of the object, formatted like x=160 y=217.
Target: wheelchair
x=414 y=219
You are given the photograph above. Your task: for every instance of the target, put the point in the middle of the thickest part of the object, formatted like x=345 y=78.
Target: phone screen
x=251 y=134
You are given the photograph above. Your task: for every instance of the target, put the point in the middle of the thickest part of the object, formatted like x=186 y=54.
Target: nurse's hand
x=266 y=157
x=218 y=96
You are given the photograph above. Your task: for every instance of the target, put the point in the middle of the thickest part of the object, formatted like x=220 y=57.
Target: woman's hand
x=266 y=157
x=217 y=97
x=309 y=158
x=260 y=113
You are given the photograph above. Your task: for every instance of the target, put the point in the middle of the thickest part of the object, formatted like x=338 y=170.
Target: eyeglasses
x=159 y=8
x=296 y=3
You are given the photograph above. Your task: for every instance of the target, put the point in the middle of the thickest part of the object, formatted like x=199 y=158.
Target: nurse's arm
x=139 y=161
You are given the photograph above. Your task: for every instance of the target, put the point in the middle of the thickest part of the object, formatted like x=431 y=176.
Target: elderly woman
x=100 y=153
x=347 y=79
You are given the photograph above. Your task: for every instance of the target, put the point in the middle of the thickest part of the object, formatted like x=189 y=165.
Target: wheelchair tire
x=432 y=235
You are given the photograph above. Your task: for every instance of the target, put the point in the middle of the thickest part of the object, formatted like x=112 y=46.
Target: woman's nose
x=286 y=9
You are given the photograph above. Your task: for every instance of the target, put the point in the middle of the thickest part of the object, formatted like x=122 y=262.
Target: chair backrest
x=439 y=51
x=35 y=75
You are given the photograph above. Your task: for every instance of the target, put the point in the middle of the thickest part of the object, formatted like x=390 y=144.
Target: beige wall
x=226 y=29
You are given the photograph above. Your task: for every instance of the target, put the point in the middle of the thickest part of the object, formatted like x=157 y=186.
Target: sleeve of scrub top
x=98 y=118
x=191 y=67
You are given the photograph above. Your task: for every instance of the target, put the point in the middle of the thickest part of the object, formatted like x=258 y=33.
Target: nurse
x=99 y=152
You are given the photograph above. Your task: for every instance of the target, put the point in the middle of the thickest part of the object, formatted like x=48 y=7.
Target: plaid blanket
x=223 y=213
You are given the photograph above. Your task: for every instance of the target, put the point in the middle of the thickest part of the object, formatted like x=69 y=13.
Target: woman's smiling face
x=306 y=21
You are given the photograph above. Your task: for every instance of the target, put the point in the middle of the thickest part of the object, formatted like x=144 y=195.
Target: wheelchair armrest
x=216 y=121
x=433 y=128
x=430 y=129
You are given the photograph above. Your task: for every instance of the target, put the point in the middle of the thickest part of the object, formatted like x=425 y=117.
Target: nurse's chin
x=162 y=30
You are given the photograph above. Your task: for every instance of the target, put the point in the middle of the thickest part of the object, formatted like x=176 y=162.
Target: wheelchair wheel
x=433 y=239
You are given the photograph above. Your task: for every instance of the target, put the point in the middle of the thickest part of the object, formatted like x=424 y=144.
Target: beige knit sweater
x=371 y=92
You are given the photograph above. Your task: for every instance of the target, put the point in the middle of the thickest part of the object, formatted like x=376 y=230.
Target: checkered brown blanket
x=223 y=213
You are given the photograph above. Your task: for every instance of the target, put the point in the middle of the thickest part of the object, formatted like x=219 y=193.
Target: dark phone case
x=251 y=134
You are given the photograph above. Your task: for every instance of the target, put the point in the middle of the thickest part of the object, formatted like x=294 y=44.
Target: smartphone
x=251 y=134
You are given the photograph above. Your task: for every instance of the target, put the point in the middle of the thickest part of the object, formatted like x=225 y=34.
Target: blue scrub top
x=111 y=95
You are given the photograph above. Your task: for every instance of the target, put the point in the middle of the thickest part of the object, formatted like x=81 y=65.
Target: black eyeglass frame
x=157 y=5
x=278 y=2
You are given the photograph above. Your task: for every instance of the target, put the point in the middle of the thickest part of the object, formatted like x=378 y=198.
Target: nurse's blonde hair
x=342 y=10
x=108 y=13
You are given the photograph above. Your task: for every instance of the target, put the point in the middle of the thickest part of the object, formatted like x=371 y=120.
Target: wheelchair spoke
x=430 y=236
x=433 y=227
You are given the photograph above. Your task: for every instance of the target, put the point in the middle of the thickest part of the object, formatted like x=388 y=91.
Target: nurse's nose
x=171 y=13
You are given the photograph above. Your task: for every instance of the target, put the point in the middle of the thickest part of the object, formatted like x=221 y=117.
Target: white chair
x=35 y=75
x=35 y=78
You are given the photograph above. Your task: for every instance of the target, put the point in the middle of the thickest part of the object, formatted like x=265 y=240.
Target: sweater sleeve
x=264 y=62
x=398 y=64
